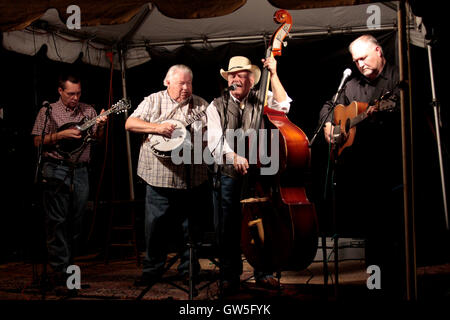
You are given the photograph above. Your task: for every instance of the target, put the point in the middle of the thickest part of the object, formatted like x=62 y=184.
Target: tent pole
x=407 y=156
x=143 y=14
x=127 y=134
x=436 y=109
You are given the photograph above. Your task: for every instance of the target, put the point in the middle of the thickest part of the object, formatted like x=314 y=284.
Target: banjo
x=162 y=146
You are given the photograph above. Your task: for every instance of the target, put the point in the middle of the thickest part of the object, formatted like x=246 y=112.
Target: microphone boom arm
x=346 y=75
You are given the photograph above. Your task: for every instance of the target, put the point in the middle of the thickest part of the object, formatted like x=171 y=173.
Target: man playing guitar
x=368 y=175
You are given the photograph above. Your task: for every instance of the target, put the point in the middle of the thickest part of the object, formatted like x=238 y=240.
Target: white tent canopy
x=251 y=23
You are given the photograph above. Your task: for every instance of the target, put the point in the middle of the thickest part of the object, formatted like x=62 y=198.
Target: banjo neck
x=195 y=117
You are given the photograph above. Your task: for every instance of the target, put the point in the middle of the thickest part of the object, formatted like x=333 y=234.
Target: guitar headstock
x=387 y=102
x=121 y=106
x=387 y=105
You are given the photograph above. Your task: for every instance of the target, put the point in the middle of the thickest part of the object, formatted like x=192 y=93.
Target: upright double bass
x=279 y=229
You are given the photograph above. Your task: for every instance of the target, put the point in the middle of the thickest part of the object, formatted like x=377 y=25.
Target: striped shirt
x=60 y=115
x=162 y=172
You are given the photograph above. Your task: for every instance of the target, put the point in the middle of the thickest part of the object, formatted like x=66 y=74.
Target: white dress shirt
x=215 y=128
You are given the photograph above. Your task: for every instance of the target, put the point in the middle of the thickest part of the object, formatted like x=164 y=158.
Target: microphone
x=231 y=88
x=347 y=73
x=47 y=105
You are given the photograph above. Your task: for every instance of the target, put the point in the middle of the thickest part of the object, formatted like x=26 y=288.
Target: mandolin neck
x=89 y=123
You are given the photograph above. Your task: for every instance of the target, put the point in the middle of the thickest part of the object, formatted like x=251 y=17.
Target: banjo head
x=163 y=145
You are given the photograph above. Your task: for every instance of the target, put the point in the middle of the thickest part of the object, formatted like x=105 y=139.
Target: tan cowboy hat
x=239 y=63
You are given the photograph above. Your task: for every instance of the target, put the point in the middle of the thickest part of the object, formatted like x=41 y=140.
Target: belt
x=66 y=163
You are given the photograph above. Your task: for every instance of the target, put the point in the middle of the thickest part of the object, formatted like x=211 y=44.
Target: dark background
x=310 y=70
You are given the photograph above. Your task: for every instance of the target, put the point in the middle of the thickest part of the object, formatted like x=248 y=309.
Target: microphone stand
x=346 y=75
x=43 y=279
x=40 y=147
x=325 y=117
x=217 y=185
x=333 y=197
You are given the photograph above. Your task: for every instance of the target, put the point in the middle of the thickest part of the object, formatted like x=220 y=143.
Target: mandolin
x=68 y=147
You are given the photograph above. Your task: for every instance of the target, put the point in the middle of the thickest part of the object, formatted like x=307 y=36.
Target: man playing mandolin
x=65 y=175
x=368 y=174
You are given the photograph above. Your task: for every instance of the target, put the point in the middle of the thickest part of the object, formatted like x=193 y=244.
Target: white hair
x=174 y=69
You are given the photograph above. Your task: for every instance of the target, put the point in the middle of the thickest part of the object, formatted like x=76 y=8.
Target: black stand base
x=192 y=291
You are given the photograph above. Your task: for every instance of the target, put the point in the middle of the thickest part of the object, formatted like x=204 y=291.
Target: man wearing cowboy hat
x=232 y=111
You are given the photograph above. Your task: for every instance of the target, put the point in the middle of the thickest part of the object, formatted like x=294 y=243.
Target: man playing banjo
x=169 y=186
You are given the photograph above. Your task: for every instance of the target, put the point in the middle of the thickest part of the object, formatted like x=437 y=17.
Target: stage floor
x=115 y=281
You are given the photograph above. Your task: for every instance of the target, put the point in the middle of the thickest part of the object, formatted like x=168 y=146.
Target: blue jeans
x=165 y=211
x=65 y=195
x=227 y=223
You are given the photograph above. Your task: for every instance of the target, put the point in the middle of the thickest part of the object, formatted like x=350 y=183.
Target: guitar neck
x=356 y=120
x=381 y=105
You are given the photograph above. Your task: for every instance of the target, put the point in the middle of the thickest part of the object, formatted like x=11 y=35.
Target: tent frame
x=123 y=44
x=407 y=154
x=406 y=129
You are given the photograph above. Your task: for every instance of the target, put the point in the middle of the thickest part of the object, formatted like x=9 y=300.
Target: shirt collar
x=382 y=75
x=75 y=110
x=241 y=104
x=237 y=100
x=176 y=102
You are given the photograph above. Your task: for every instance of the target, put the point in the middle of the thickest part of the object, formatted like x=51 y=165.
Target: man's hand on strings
x=240 y=164
x=371 y=110
x=71 y=133
x=101 y=121
x=271 y=64
x=166 y=129
x=328 y=131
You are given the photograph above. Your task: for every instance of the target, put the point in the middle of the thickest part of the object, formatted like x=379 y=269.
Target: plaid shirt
x=59 y=116
x=162 y=172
